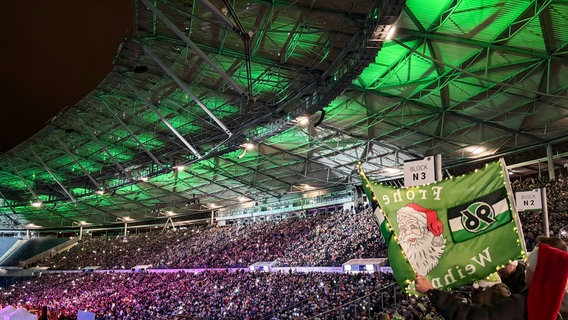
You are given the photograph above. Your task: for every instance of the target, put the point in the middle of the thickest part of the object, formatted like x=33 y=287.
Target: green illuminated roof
x=455 y=75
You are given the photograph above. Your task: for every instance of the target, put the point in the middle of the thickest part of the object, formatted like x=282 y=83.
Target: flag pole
x=513 y=204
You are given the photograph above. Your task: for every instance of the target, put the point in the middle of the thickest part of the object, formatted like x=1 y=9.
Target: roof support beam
x=215 y=182
x=164 y=120
x=94 y=137
x=229 y=176
x=156 y=161
x=445 y=15
x=54 y=177
x=476 y=43
x=304 y=159
x=186 y=89
x=24 y=182
x=471 y=74
x=255 y=171
x=70 y=154
x=545 y=20
x=15 y=222
x=526 y=17
x=193 y=46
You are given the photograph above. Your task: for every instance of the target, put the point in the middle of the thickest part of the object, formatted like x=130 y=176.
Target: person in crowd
x=489 y=290
x=513 y=276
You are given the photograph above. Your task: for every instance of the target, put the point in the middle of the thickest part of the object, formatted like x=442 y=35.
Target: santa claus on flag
x=420 y=236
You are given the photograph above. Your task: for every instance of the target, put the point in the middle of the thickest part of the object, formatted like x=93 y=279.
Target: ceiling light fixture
x=391 y=32
x=304 y=121
x=36 y=204
x=392 y=170
x=475 y=150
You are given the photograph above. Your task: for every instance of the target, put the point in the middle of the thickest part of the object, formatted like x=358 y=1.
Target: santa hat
x=430 y=216
x=548 y=283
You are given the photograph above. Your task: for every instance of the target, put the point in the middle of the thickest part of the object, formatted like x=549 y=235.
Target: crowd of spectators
x=217 y=295
x=324 y=239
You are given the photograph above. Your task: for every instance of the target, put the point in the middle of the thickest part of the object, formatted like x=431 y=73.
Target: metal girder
x=226 y=174
x=156 y=161
x=311 y=7
x=471 y=74
x=304 y=159
x=103 y=147
x=186 y=89
x=7 y=202
x=106 y=213
x=484 y=96
x=394 y=67
x=368 y=140
x=440 y=83
x=77 y=163
x=193 y=46
x=414 y=20
x=215 y=182
x=256 y=171
x=545 y=20
x=24 y=181
x=167 y=192
x=222 y=16
x=474 y=120
x=526 y=17
x=164 y=120
x=444 y=15
x=476 y=43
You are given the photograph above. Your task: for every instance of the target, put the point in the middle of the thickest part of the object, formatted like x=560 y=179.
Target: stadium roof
x=232 y=101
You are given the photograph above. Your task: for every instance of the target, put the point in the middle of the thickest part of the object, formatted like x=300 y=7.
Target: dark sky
x=53 y=53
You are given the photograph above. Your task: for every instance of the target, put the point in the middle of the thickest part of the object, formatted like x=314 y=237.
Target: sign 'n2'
x=528 y=200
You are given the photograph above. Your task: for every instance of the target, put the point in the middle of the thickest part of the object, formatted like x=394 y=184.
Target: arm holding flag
x=451 y=307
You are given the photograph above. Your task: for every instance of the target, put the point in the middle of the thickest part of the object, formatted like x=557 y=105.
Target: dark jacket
x=516 y=280
x=453 y=308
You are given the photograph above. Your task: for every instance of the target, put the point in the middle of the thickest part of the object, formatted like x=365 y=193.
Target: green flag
x=454 y=231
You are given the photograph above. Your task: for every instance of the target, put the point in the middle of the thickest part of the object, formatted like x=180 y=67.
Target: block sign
x=528 y=200
x=419 y=172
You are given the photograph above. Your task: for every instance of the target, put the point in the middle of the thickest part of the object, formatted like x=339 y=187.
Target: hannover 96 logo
x=480 y=216
x=477 y=217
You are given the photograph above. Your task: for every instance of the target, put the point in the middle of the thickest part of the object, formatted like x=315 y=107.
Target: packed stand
x=216 y=295
x=557 y=200
x=327 y=239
